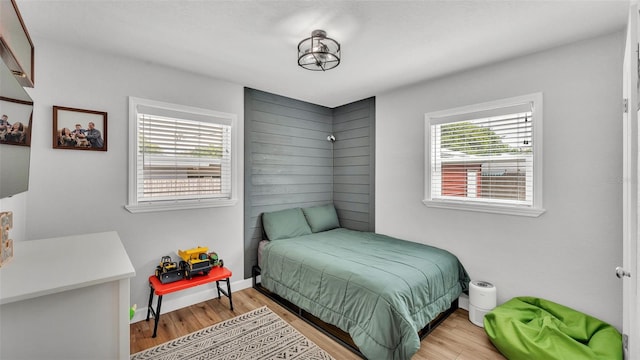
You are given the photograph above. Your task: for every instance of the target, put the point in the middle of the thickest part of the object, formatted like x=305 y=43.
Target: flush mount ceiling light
x=318 y=52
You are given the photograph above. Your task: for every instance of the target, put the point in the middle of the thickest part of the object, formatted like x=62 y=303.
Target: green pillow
x=321 y=218
x=285 y=224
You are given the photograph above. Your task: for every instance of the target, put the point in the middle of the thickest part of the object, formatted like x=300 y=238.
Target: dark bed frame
x=333 y=331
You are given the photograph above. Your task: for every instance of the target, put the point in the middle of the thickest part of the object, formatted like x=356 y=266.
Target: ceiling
x=385 y=44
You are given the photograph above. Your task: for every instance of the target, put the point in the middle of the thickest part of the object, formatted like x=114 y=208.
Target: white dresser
x=66 y=298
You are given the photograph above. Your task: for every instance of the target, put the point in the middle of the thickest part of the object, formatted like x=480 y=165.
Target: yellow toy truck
x=195 y=261
x=168 y=270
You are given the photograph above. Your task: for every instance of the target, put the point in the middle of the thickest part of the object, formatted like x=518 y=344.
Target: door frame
x=631 y=254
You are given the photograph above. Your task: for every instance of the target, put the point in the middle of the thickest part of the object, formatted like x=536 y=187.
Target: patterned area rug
x=258 y=334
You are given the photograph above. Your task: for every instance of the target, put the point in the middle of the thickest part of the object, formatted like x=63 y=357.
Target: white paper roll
x=482 y=295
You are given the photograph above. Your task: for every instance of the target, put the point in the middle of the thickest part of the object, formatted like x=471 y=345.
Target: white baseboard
x=170 y=303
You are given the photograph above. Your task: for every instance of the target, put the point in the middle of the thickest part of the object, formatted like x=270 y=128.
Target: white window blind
x=485 y=156
x=182 y=157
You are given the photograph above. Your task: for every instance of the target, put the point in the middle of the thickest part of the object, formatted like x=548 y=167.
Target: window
x=179 y=157
x=486 y=157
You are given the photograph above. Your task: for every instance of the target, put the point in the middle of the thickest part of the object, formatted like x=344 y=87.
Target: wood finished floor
x=456 y=338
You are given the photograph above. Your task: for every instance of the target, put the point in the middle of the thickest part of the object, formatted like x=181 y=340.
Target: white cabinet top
x=49 y=266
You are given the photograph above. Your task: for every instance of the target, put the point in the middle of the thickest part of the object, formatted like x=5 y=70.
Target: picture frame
x=79 y=129
x=15 y=121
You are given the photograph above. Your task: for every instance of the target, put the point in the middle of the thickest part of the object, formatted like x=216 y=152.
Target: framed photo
x=15 y=121
x=79 y=129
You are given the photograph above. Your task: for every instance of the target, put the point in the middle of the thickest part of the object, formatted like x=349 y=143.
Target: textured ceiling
x=385 y=44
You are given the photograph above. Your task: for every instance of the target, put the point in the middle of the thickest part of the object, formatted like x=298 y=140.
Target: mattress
x=379 y=289
x=261 y=246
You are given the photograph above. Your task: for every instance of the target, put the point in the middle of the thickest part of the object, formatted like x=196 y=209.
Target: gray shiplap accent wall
x=289 y=162
x=354 y=164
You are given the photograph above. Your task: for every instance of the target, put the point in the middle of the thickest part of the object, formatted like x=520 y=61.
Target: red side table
x=216 y=274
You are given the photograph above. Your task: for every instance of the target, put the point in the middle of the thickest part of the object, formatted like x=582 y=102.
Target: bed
x=380 y=290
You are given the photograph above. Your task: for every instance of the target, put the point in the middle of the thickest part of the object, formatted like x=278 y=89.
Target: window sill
x=169 y=206
x=495 y=209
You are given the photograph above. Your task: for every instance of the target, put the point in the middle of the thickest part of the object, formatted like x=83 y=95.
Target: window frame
x=134 y=205
x=536 y=209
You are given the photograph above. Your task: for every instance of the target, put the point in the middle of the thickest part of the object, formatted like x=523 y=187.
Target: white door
x=628 y=272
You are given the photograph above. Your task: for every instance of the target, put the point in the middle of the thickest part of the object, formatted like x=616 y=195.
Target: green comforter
x=379 y=289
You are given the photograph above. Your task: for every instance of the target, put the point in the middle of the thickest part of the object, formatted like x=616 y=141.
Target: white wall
x=567 y=255
x=75 y=192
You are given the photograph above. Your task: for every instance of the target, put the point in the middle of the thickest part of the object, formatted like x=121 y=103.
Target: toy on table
x=214 y=260
x=195 y=261
x=168 y=271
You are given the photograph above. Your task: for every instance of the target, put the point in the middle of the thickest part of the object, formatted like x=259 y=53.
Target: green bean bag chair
x=533 y=328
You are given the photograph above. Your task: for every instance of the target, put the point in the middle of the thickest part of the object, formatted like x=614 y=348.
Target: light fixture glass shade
x=318 y=52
